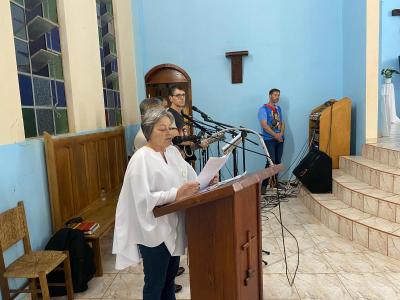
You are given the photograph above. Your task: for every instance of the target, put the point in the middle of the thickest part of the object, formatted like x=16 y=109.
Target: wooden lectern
x=223 y=227
x=331 y=136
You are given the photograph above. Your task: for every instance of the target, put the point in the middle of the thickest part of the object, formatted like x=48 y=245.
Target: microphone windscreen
x=176 y=140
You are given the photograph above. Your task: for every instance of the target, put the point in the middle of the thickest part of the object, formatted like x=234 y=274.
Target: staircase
x=365 y=204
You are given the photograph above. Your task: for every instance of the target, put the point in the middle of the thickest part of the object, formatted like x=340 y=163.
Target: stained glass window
x=109 y=65
x=40 y=72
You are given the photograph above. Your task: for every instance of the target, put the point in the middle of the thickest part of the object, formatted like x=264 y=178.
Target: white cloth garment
x=139 y=141
x=150 y=181
x=389 y=115
x=385 y=110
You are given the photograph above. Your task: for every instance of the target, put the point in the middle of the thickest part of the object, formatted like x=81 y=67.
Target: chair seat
x=30 y=265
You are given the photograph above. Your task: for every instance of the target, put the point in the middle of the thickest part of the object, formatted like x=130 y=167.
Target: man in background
x=140 y=141
x=177 y=97
x=273 y=128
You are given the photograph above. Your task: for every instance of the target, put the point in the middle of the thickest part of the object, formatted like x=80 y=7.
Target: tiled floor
x=394 y=137
x=330 y=267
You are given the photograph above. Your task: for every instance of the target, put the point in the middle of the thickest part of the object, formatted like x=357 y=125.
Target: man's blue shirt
x=266 y=113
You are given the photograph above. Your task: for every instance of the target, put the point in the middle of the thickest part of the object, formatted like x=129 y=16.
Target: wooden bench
x=78 y=168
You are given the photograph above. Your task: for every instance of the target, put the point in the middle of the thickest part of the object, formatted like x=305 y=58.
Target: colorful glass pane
x=25 y=90
x=18 y=21
x=33 y=12
x=28 y=114
x=61 y=94
x=61 y=120
x=50 y=10
x=20 y=2
x=56 y=68
x=118 y=117
x=45 y=121
x=21 y=50
x=105 y=97
x=42 y=91
x=110 y=99
x=55 y=40
x=111 y=117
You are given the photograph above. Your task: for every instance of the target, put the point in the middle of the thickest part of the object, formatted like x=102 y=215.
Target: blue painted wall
x=23 y=177
x=390 y=43
x=294 y=45
x=354 y=43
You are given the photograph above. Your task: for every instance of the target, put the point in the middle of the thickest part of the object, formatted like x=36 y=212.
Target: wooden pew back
x=79 y=167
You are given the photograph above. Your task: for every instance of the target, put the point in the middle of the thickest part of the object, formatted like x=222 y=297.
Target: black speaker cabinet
x=315 y=172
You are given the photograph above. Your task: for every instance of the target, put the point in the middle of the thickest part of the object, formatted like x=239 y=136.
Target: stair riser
x=376 y=240
x=378 y=179
x=371 y=205
x=382 y=155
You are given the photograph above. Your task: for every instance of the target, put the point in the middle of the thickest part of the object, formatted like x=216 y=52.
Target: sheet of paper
x=224 y=181
x=213 y=165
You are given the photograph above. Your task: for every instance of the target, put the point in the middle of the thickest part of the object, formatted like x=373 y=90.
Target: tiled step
x=384 y=153
x=366 y=198
x=375 y=233
x=378 y=175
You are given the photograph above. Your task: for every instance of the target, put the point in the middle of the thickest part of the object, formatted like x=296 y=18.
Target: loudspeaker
x=315 y=172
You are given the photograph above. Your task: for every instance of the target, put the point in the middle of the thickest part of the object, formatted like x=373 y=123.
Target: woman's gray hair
x=151 y=117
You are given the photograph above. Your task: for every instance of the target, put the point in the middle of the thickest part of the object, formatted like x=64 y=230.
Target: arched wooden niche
x=161 y=77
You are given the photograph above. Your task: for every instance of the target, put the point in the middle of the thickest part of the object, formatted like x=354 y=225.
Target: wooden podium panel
x=330 y=128
x=224 y=239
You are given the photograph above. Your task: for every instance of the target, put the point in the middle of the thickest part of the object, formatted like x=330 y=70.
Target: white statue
x=389 y=115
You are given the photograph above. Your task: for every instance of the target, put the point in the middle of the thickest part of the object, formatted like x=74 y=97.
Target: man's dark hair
x=173 y=88
x=273 y=91
x=149 y=103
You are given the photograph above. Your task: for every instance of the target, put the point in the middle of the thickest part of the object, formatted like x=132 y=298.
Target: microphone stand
x=199 y=124
x=266 y=153
x=243 y=134
x=234 y=151
x=225 y=126
x=235 y=164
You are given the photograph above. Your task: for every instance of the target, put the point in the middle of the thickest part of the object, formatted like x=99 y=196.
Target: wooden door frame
x=161 y=67
x=184 y=78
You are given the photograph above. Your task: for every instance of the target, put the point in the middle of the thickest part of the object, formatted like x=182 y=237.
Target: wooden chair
x=32 y=265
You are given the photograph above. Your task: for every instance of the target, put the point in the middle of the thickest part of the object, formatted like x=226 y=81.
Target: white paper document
x=213 y=165
x=224 y=181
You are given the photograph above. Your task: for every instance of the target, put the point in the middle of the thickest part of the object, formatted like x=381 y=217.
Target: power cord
x=291 y=281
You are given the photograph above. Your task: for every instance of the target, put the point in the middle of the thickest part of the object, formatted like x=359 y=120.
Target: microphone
x=188 y=138
x=203 y=114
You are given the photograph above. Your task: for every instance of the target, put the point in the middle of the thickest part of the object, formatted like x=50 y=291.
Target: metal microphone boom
x=271 y=163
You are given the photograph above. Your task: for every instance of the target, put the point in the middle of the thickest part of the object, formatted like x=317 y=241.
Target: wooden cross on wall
x=237 y=65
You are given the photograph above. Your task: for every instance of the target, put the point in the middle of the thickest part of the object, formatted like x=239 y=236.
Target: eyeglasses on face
x=179 y=95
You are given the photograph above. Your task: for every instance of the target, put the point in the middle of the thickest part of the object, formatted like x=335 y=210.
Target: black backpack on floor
x=81 y=260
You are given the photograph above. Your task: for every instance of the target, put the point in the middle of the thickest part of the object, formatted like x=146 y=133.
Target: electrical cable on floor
x=291 y=282
x=273 y=198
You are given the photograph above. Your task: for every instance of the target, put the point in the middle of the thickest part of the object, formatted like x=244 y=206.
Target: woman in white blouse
x=156 y=175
